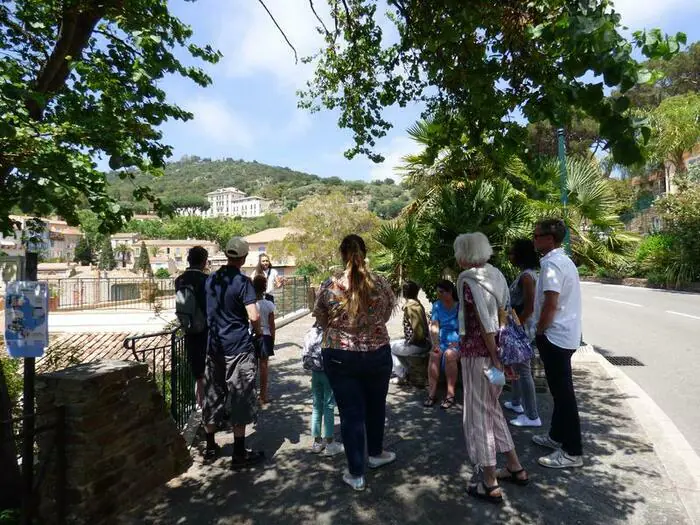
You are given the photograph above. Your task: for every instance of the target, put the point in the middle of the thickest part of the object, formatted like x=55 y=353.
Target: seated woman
x=415 y=329
x=445 y=338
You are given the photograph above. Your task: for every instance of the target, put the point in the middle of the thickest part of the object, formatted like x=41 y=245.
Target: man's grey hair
x=473 y=248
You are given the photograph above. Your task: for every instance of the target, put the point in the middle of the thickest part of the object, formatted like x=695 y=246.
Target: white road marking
x=618 y=302
x=683 y=315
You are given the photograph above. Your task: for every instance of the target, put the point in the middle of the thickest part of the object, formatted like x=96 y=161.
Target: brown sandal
x=505 y=474
x=486 y=493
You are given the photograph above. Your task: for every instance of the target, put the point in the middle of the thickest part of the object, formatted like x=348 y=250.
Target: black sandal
x=430 y=401
x=487 y=494
x=510 y=476
x=250 y=459
x=448 y=403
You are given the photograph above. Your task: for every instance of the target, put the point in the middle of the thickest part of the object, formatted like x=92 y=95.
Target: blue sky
x=250 y=110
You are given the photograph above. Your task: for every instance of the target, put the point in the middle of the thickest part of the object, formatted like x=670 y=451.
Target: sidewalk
x=623 y=480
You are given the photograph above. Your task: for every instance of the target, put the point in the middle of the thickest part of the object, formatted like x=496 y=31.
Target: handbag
x=513 y=342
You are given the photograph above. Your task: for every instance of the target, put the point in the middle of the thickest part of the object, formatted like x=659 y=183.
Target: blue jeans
x=360 y=382
x=524 y=390
x=323 y=407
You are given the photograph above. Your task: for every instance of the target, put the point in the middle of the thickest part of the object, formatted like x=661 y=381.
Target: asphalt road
x=662 y=330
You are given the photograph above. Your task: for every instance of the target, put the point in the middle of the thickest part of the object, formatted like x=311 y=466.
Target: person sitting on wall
x=415 y=329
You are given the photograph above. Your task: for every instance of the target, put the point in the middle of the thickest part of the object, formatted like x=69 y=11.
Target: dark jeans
x=360 y=382
x=566 y=426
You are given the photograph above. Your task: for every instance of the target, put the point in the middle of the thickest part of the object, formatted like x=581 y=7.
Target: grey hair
x=473 y=248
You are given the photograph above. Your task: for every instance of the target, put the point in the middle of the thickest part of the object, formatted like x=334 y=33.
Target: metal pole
x=31 y=273
x=563 y=184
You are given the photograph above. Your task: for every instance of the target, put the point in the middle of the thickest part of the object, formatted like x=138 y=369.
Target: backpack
x=311 y=358
x=192 y=319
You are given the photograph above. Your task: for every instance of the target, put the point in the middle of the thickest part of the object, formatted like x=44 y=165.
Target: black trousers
x=360 y=382
x=566 y=425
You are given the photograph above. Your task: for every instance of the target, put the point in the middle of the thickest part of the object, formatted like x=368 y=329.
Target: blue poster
x=26 y=318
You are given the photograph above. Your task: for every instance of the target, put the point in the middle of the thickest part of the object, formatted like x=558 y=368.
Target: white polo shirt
x=558 y=274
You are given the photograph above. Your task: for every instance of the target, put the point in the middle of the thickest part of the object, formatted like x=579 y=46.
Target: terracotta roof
x=73 y=349
x=271 y=234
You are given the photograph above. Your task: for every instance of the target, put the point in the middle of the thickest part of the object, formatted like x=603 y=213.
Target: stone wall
x=120 y=441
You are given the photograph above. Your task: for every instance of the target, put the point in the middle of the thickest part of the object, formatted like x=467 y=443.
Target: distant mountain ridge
x=194 y=177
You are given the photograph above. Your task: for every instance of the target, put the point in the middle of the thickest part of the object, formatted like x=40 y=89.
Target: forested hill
x=192 y=177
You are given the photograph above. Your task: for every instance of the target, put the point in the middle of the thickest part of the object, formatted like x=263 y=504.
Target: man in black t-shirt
x=231 y=365
x=196 y=344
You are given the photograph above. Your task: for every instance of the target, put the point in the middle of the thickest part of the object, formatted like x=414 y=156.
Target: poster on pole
x=26 y=318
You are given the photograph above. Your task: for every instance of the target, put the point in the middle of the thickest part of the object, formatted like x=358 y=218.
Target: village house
x=232 y=202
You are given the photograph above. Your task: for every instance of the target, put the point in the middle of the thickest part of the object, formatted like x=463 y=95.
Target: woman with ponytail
x=353 y=307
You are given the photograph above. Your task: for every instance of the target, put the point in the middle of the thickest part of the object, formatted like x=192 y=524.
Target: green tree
x=107 y=261
x=162 y=273
x=143 y=263
x=475 y=67
x=123 y=250
x=81 y=79
x=681 y=224
x=675 y=130
x=84 y=253
x=322 y=222
x=677 y=76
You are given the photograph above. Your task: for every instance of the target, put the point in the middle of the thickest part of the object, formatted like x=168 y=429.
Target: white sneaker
x=544 y=440
x=318 y=447
x=560 y=459
x=382 y=459
x=518 y=409
x=333 y=448
x=523 y=421
x=356 y=482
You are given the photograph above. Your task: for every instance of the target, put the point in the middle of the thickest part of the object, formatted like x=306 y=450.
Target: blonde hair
x=361 y=283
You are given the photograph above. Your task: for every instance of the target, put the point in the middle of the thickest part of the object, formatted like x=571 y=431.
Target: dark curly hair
x=524 y=254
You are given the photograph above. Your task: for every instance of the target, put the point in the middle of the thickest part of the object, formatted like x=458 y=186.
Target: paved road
x=662 y=330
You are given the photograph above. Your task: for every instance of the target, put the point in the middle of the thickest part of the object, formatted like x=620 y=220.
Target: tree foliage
x=84 y=254
x=80 y=79
x=322 y=222
x=474 y=67
x=107 y=261
x=677 y=76
x=676 y=129
x=143 y=263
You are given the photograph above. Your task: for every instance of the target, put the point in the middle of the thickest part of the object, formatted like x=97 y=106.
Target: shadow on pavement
x=622 y=481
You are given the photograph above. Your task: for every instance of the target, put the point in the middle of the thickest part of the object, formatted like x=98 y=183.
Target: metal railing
x=292 y=296
x=166 y=357
x=111 y=292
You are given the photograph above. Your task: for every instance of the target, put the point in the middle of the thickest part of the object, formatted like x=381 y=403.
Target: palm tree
x=154 y=251
x=123 y=251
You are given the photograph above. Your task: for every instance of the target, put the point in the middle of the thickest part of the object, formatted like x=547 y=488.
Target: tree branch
x=313 y=10
x=296 y=57
x=115 y=38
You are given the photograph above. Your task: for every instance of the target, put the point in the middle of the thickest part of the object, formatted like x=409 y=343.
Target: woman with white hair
x=483 y=293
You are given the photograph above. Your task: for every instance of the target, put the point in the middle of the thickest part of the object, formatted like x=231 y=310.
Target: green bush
x=162 y=273
x=584 y=271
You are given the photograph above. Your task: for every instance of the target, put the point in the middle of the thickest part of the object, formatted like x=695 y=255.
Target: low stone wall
x=120 y=441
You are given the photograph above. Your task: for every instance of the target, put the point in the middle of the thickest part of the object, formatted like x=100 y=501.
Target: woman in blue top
x=444 y=331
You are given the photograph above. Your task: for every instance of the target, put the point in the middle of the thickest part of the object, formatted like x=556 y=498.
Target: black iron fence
x=166 y=357
x=50 y=448
x=111 y=292
x=292 y=296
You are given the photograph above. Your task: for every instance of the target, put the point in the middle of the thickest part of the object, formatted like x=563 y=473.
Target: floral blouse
x=472 y=343
x=368 y=331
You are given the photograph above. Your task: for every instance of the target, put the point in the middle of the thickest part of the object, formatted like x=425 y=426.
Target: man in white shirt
x=558 y=327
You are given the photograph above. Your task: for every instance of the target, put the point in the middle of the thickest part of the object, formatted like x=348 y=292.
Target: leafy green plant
x=162 y=273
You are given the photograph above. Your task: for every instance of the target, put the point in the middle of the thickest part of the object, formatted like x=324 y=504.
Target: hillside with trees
x=187 y=181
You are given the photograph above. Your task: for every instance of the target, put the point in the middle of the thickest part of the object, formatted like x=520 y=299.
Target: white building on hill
x=232 y=202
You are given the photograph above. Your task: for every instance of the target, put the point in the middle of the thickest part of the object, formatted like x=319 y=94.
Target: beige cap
x=237 y=247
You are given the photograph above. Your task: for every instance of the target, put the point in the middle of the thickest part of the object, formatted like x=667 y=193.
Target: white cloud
x=393 y=154
x=252 y=44
x=216 y=122
x=639 y=13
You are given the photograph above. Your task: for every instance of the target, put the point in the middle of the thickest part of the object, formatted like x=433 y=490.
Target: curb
x=678 y=458
x=291 y=317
